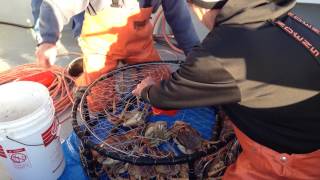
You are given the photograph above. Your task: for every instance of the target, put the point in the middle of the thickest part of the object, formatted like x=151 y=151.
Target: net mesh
x=123 y=138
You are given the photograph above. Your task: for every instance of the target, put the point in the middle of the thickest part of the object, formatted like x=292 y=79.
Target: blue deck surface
x=202 y=119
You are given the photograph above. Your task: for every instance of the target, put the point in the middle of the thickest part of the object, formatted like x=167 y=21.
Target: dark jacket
x=267 y=81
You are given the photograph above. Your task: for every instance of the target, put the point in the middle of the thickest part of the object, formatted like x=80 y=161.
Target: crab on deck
x=157 y=133
x=129 y=118
x=187 y=138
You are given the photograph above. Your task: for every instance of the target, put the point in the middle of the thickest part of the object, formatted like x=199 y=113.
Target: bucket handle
x=19 y=142
x=11 y=139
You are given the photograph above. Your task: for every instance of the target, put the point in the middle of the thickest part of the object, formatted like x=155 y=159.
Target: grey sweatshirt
x=266 y=81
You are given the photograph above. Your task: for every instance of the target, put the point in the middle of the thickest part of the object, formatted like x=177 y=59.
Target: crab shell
x=115 y=170
x=168 y=170
x=186 y=137
x=142 y=171
x=135 y=118
x=157 y=132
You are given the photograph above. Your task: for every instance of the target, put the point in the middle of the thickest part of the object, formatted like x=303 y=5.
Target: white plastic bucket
x=29 y=146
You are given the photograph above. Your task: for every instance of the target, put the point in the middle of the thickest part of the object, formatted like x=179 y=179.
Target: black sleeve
x=200 y=81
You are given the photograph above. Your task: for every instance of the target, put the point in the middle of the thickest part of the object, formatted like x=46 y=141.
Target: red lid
x=46 y=78
x=157 y=111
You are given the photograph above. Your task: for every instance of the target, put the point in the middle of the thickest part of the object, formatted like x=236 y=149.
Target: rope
x=61 y=89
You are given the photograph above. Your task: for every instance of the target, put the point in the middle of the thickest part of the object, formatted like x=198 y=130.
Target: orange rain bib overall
x=257 y=162
x=115 y=34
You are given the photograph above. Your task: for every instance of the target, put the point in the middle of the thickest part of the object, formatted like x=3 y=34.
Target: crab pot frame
x=88 y=145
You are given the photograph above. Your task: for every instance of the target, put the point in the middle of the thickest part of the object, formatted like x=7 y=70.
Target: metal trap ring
x=106 y=98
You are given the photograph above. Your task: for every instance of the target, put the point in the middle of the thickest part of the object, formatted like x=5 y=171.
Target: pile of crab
x=129 y=128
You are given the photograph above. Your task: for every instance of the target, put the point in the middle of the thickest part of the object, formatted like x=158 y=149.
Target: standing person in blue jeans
x=113 y=31
x=77 y=20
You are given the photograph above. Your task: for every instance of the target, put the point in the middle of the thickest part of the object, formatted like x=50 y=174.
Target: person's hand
x=206 y=16
x=46 y=54
x=144 y=83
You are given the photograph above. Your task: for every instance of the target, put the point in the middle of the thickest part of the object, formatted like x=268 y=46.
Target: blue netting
x=74 y=169
x=202 y=119
x=100 y=130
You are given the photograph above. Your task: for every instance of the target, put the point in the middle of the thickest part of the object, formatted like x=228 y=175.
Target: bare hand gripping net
x=122 y=139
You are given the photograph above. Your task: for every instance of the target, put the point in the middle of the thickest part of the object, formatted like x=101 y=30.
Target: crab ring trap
x=122 y=139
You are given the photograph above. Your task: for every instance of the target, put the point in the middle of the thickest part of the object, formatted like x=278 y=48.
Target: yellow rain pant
x=115 y=34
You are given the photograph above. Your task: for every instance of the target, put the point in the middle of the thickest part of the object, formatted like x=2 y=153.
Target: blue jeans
x=77 y=20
